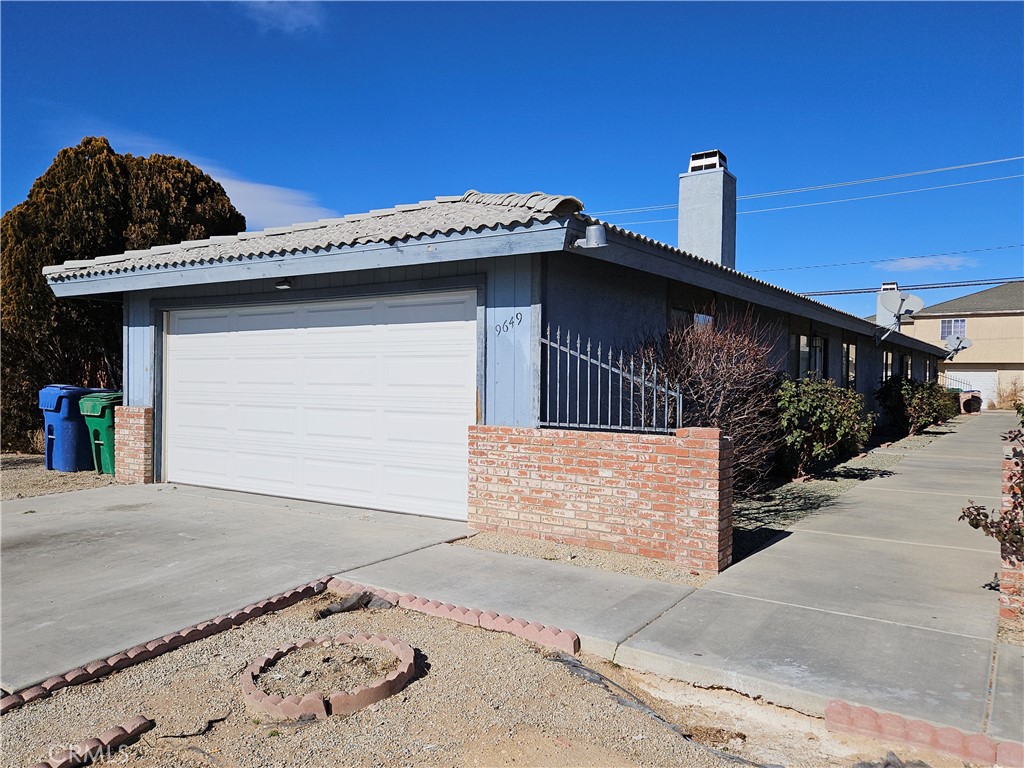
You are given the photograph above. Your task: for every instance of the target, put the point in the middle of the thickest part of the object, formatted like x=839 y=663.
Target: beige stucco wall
x=997 y=343
x=997 y=340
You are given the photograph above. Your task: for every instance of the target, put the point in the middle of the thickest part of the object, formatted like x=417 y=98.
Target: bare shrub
x=1009 y=394
x=728 y=379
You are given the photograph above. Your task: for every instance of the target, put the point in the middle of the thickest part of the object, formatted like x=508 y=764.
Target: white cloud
x=263 y=205
x=266 y=205
x=949 y=263
x=290 y=17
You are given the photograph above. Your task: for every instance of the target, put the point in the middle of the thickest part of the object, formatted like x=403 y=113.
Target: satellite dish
x=956 y=344
x=900 y=303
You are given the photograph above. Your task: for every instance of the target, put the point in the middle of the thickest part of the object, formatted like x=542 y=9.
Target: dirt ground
x=24 y=474
x=479 y=699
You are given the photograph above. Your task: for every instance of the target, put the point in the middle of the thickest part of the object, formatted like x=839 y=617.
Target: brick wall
x=133 y=444
x=662 y=496
x=1011 y=575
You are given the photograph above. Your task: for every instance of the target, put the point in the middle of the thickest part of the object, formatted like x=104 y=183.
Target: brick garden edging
x=90 y=750
x=146 y=651
x=323 y=705
x=541 y=634
x=973 y=747
x=662 y=496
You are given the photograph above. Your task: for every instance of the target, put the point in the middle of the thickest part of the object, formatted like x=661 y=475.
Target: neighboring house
x=344 y=360
x=993 y=320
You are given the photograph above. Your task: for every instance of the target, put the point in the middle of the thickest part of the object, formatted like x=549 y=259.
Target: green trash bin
x=98 y=411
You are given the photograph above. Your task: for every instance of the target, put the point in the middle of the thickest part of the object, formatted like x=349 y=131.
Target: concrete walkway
x=90 y=573
x=879 y=600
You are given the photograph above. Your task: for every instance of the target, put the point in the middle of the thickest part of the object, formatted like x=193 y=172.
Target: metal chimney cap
x=708 y=160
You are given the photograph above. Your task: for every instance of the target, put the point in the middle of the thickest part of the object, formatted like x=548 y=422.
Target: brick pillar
x=133 y=444
x=1011 y=575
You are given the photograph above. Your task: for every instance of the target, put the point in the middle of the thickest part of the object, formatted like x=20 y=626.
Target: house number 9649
x=508 y=325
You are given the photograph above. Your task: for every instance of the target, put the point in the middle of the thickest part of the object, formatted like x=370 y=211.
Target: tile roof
x=472 y=211
x=1008 y=297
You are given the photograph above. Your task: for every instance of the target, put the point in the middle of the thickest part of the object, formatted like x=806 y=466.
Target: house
x=345 y=360
x=993 y=320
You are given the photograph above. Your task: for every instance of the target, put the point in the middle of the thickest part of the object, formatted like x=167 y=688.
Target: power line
x=845 y=199
x=920 y=287
x=644 y=209
x=879 y=178
x=885 y=194
x=891 y=258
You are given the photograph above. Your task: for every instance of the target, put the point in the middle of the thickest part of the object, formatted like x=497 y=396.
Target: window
x=819 y=357
x=907 y=366
x=808 y=356
x=886 y=364
x=928 y=371
x=849 y=376
x=799 y=355
x=684 y=318
x=952 y=327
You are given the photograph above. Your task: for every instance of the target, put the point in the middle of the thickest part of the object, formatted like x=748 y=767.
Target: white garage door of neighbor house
x=363 y=401
x=985 y=381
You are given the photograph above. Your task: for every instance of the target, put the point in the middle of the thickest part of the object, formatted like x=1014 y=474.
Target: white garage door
x=981 y=380
x=363 y=402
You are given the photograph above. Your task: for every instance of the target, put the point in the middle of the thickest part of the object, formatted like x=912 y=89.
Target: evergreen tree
x=90 y=202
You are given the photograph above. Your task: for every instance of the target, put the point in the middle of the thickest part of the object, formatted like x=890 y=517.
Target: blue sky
x=307 y=110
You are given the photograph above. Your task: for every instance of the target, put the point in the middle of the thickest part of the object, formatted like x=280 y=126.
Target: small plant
x=822 y=423
x=273 y=732
x=913 y=406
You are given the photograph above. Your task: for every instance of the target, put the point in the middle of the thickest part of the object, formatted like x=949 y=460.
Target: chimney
x=884 y=317
x=707 y=209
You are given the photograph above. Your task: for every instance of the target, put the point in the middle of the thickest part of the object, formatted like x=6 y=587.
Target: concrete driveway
x=90 y=573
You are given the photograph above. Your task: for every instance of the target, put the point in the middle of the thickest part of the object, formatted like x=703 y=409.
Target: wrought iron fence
x=588 y=388
x=951 y=382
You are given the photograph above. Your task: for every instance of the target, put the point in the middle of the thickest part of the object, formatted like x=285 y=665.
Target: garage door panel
x=202 y=417
x=273 y=471
x=198 y=322
x=261 y=420
x=410 y=484
x=335 y=320
x=206 y=461
x=432 y=430
x=354 y=480
x=340 y=425
x=425 y=372
x=341 y=370
x=363 y=402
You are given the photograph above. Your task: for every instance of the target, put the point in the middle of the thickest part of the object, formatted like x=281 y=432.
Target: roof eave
x=532 y=237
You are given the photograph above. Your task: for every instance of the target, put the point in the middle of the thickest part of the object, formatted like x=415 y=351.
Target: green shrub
x=913 y=406
x=822 y=423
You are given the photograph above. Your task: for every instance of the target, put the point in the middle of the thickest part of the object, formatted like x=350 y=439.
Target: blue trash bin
x=68 y=447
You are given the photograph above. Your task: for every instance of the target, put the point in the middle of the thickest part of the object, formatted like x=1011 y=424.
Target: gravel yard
x=25 y=474
x=479 y=698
